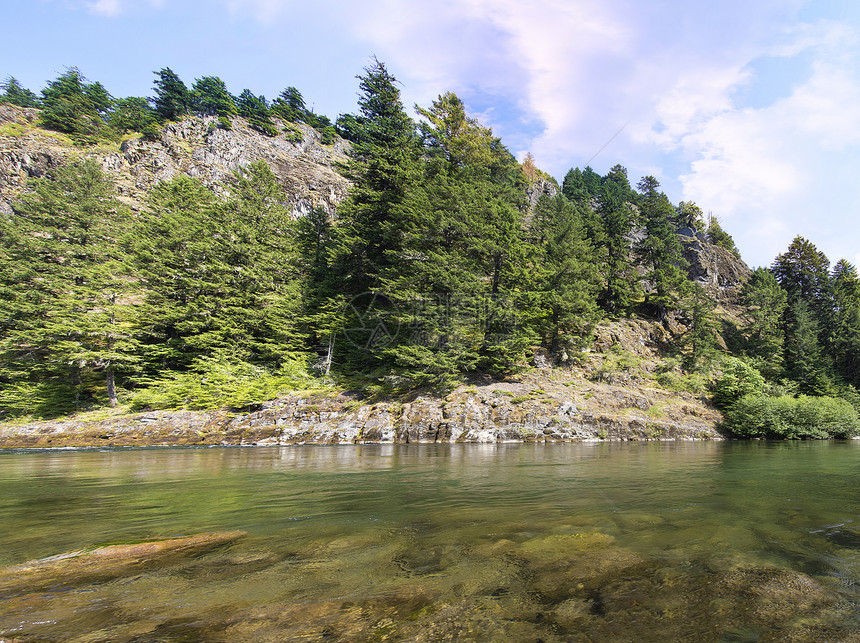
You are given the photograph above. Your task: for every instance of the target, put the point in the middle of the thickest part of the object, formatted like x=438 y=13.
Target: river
x=706 y=541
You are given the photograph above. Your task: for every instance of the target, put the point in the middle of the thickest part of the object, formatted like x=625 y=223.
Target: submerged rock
x=107 y=561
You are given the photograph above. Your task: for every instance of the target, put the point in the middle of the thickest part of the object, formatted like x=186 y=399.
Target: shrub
x=738 y=379
x=218 y=383
x=802 y=417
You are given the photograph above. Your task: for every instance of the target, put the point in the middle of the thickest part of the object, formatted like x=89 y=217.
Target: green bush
x=802 y=417
x=738 y=379
x=218 y=383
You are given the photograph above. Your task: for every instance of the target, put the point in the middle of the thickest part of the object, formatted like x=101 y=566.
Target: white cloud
x=113 y=8
x=109 y=8
x=784 y=169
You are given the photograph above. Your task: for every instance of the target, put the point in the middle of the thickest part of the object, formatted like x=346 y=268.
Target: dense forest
x=434 y=269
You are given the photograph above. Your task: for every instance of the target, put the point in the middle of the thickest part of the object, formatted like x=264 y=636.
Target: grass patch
x=13 y=130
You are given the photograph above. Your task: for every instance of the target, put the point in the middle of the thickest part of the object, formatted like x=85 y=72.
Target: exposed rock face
x=716 y=269
x=194 y=146
x=540 y=187
x=523 y=411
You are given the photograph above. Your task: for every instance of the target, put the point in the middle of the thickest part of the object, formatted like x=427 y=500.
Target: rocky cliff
x=194 y=146
x=545 y=406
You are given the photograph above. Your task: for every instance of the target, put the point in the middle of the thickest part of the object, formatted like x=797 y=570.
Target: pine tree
x=383 y=168
x=220 y=277
x=132 y=114
x=803 y=272
x=172 y=98
x=256 y=110
x=765 y=303
x=67 y=295
x=290 y=105
x=660 y=250
x=616 y=220
x=15 y=94
x=806 y=363
x=844 y=344
x=72 y=105
x=700 y=340
x=209 y=97
x=568 y=277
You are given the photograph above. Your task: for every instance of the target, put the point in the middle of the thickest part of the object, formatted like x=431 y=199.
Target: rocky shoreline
x=496 y=412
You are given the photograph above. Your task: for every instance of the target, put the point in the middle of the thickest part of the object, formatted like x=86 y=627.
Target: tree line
x=433 y=268
x=88 y=113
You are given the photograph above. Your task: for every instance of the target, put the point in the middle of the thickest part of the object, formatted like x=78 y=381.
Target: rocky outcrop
x=716 y=269
x=541 y=186
x=528 y=410
x=195 y=146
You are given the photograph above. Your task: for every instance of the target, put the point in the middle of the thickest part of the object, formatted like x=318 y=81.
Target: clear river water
x=704 y=541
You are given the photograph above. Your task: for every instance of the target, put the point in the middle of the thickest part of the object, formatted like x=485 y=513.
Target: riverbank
x=534 y=408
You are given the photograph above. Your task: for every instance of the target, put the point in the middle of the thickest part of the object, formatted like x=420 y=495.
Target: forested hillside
x=138 y=269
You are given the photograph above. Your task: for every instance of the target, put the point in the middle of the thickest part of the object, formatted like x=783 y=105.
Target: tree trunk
x=111 y=388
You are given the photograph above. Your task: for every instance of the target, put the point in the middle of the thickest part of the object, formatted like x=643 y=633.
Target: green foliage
x=565 y=275
x=15 y=94
x=256 y=110
x=789 y=417
x=209 y=97
x=737 y=380
x=172 y=98
x=64 y=294
x=217 y=381
x=218 y=275
x=290 y=106
x=660 y=250
x=616 y=220
x=844 y=326
x=133 y=114
x=803 y=272
x=766 y=302
x=719 y=237
x=690 y=215
x=700 y=340
x=72 y=105
x=807 y=364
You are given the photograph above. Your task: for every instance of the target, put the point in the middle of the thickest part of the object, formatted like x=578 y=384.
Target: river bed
x=732 y=541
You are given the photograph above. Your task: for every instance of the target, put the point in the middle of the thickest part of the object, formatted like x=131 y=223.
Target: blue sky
x=749 y=108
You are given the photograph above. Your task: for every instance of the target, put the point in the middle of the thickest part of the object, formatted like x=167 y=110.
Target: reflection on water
x=602 y=541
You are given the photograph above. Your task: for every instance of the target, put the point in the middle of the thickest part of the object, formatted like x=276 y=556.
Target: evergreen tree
x=700 y=340
x=172 y=98
x=209 y=97
x=568 y=277
x=765 y=303
x=719 y=237
x=581 y=185
x=803 y=272
x=383 y=169
x=617 y=219
x=661 y=251
x=844 y=341
x=72 y=105
x=15 y=94
x=133 y=114
x=689 y=215
x=66 y=292
x=290 y=106
x=806 y=363
x=255 y=109
x=220 y=278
